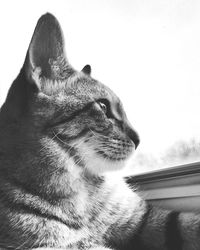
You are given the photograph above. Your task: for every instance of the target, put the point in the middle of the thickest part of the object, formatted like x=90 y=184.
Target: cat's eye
x=105 y=107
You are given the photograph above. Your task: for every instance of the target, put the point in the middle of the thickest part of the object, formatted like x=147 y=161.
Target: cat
x=61 y=131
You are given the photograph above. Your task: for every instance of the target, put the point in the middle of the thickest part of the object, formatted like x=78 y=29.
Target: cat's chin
x=98 y=165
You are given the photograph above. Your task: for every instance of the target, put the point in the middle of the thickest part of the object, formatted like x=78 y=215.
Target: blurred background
x=148 y=52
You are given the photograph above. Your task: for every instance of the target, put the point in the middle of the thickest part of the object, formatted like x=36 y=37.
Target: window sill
x=174 y=188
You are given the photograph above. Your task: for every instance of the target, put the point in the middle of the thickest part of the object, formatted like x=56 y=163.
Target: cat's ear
x=46 y=53
x=87 y=69
x=45 y=59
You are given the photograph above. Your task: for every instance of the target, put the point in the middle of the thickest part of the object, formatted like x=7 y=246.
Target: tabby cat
x=60 y=132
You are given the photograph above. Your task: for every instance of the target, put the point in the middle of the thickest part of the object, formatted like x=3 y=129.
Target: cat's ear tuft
x=47 y=51
x=87 y=69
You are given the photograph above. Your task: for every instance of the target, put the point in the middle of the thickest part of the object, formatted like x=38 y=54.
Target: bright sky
x=148 y=52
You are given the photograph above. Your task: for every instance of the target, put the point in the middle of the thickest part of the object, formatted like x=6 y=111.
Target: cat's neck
x=50 y=184
x=52 y=181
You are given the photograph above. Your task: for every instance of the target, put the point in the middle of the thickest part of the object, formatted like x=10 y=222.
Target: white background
x=147 y=51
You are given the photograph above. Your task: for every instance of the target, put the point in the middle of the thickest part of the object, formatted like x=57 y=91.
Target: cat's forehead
x=85 y=86
x=81 y=87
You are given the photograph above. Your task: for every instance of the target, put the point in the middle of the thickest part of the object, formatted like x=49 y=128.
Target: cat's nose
x=133 y=135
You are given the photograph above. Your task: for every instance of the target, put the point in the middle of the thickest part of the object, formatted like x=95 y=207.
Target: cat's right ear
x=87 y=69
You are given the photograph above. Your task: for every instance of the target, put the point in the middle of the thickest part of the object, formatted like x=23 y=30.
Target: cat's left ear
x=45 y=59
x=46 y=52
x=87 y=69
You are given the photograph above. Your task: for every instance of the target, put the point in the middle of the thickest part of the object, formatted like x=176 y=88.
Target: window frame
x=172 y=188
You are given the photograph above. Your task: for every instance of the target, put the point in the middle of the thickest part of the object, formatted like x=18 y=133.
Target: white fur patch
x=97 y=164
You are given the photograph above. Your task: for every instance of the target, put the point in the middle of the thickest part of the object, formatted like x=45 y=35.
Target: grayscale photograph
x=99 y=125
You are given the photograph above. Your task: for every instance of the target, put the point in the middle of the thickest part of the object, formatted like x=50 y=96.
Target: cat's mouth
x=116 y=154
x=101 y=161
x=112 y=148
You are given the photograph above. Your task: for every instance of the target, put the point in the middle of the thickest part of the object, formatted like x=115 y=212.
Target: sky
x=148 y=52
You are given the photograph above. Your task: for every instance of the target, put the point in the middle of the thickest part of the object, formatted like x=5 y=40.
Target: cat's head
x=53 y=111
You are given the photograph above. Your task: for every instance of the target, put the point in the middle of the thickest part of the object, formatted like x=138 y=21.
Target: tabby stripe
x=173 y=235
x=27 y=189
x=39 y=213
x=94 y=214
x=144 y=218
x=136 y=241
x=72 y=116
x=65 y=137
x=31 y=210
x=72 y=151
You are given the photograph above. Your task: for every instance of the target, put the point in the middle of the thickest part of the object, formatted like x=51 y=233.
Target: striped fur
x=62 y=133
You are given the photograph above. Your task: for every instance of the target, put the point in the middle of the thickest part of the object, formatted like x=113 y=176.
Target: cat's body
x=60 y=130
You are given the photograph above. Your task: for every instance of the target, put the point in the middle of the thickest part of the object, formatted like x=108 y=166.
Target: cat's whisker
x=54 y=136
x=40 y=243
x=81 y=158
x=106 y=144
x=20 y=246
x=99 y=135
x=92 y=131
x=26 y=241
x=57 y=137
x=79 y=161
x=65 y=143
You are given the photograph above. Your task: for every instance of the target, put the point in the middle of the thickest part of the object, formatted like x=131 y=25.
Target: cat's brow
x=72 y=116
